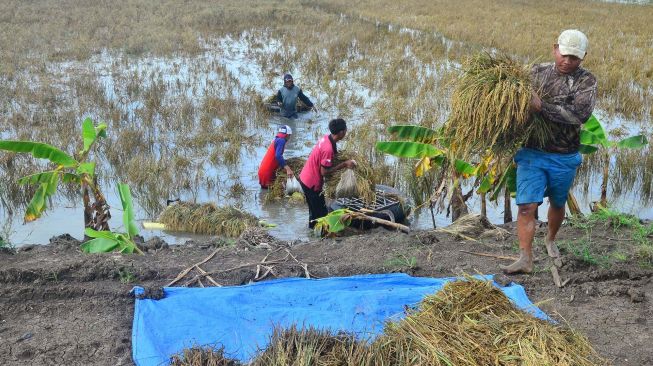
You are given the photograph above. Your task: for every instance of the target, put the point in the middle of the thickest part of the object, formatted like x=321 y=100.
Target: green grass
x=126 y=276
x=402 y=262
x=584 y=251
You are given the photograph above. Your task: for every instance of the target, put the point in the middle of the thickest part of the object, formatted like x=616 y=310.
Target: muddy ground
x=61 y=307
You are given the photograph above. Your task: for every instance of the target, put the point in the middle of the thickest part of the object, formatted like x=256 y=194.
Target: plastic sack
x=292 y=186
x=347 y=187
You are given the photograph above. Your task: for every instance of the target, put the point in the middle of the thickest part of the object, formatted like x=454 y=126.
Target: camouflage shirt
x=567 y=102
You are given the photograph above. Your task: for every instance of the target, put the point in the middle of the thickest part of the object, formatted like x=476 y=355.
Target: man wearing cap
x=288 y=95
x=565 y=100
x=319 y=164
x=273 y=158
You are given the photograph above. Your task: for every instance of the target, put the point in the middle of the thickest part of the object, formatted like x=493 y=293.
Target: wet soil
x=59 y=306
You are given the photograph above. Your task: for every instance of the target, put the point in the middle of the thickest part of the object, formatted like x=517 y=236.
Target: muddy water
x=228 y=67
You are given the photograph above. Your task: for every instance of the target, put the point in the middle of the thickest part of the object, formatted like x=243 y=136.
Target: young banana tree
x=593 y=139
x=420 y=143
x=107 y=241
x=65 y=169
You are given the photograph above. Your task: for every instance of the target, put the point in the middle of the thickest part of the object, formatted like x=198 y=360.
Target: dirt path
x=61 y=307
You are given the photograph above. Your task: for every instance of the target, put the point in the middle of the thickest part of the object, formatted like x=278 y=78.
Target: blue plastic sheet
x=241 y=318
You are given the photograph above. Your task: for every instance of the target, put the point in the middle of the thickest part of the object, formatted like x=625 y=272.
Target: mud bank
x=59 y=306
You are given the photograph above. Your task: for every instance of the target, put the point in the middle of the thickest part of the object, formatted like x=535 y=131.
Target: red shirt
x=321 y=156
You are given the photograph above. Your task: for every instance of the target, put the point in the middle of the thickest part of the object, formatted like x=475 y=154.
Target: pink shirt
x=321 y=156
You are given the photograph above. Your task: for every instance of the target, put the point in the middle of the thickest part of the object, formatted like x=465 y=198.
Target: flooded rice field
x=192 y=127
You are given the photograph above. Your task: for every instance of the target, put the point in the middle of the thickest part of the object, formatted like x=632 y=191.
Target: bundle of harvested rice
x=311 y=347
x=276 y=190
x=202 y=356
x=272 y=101
x=472 y=322
x=490 y=108
x=367 y=176
x=206 y=219
x=346 y=187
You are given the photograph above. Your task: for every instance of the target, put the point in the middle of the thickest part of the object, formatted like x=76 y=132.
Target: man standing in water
x=273 y=158
x=288 y=95
x=320 y=164
x=566 y=101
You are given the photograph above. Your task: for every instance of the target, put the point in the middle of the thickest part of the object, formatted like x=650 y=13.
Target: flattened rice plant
x=207 y=219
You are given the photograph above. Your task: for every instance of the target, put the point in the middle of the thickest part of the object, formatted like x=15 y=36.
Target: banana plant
x=333 y=223
x=420 y=143
x=107 y=241
x=593 y=139
x=66 y=169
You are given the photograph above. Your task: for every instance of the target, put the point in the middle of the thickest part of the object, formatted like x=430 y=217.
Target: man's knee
x=527 y=210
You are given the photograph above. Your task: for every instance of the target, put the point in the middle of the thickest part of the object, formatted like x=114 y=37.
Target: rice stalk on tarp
x=367 y=176
x=471 y=322
x=276 y=190
x=308 y=347
x=202 y=356
x=490 y=108
x=206 y=219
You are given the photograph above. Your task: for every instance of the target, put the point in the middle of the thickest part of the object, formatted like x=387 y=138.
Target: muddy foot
x=523 y=265
x=552 y=249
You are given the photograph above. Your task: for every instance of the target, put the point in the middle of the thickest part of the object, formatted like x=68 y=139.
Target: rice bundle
x=468 y=322
x=346 y=187
x=202 y=356
x=276 y=190
x=472 y=322
x=367 y=177
x=490 y=108
x=305 y=347
x=206 y=219
x=272 y=101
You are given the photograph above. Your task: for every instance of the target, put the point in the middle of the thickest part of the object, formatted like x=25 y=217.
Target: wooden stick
x=376 y=220
x=183 y=273
x=208 y=277
x=556 y=276
x=490 y=255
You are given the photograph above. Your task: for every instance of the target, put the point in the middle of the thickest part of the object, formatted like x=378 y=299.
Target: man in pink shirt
x=320 y=164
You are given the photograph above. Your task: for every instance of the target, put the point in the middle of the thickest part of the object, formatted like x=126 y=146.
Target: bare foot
x=552 y=249
x=523 y=265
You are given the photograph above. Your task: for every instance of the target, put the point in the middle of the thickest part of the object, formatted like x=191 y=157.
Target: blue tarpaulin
x=241 y=318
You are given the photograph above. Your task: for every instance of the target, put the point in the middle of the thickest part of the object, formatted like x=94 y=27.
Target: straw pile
x=471 y=322
x=490 y=108
x=468 y=322
x=276 y=190
x=201 y=356
x=206 y=219
x=367 y=177
x=307 y=347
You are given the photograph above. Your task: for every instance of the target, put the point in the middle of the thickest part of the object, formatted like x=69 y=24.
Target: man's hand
x=351 y=164
x=289 y=172
x=536 y=103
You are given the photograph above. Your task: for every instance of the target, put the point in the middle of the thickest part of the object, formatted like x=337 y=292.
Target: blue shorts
x=541 y=174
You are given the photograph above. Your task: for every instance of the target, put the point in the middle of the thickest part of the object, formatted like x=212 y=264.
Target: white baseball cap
x=285 y=129
x=572 y=42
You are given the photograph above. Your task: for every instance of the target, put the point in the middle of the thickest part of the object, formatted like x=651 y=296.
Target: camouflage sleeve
x=573 y=108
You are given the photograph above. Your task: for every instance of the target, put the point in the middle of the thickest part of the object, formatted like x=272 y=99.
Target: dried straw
x=471 y=322
x=367 y=176
x=202 y=356
x=307 y=347
x=490 y=108
x=468 y=322
x=206 y=219
x=276 y=190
